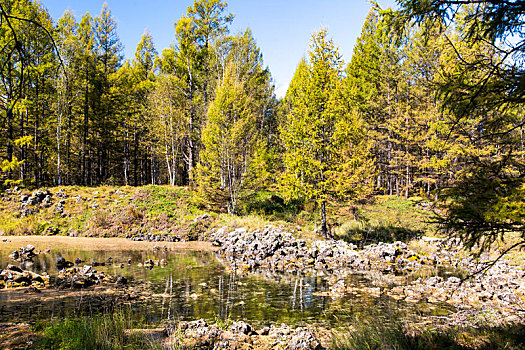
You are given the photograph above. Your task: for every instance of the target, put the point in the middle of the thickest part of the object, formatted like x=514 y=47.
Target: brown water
x=196 y=285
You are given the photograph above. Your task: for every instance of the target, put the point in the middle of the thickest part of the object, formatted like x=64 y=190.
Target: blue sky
x=282 y=28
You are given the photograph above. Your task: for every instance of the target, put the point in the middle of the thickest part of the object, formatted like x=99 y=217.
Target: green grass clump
x=104 y=332
x=377 y=335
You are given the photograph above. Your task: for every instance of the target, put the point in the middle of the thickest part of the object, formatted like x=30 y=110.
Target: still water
x=196 y=285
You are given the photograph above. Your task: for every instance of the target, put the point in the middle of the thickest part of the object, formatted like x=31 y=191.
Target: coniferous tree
x=483 y=95
x=317 y=129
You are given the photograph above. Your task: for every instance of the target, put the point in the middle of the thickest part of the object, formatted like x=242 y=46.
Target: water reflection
x=195 y=285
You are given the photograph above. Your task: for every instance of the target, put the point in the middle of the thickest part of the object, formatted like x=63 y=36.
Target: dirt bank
x=85 y=243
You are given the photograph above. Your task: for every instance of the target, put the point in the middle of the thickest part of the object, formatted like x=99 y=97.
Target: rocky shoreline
x=499 y=290
x=241 y=335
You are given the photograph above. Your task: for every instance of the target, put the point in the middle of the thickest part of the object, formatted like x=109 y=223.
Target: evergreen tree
x=317 y=129
x=197 y=33
x=482 y=93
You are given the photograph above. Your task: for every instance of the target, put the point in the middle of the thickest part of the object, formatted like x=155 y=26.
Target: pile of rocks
x=37 y=197
x=30 y=202
x=500 y=286
x=149 y=237
x=275 y=249
x=24 y=253
x=13 y=276
x=80 y=277
x=240 y=335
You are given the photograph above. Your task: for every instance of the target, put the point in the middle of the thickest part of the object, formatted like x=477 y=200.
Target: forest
x=430 y=105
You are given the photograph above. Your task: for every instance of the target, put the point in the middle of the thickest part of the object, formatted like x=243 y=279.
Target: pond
x=194 y=284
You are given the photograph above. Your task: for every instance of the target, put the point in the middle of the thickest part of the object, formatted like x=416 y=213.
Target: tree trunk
x=35 y=138
x=9 y=116
x=85 y=173
x=135 y=155
x=324 y=226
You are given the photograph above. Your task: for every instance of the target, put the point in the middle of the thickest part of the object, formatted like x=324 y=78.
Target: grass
x=105 y=332
x=172 y=210
x=377 y=335
x=386 y=219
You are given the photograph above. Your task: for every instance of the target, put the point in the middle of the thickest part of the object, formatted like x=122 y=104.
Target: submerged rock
x=62 y=263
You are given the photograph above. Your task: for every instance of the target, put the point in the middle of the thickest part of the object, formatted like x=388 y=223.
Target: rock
x=304 y=339
x=61 y=263
x=14 y=255
x=78 y=261
x=32 y=289
x=14 y=268
x=454 y=280
x=434 y=281
x=60 y=207
x=47 y=199
x=39 y=195
x=22 y=280
x=264 y=331
x=122 y=280
x=273 y=248
x=80 y=278
x=52 y=231
x=28 y=212
x=241 y=327
x=14 y=276
x=61 y=194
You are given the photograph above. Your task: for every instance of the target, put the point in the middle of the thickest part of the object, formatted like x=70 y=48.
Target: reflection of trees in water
x=303 y=293
x=258 y=298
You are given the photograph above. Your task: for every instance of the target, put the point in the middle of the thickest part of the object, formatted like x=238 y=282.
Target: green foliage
x=229 y=141
x=325 y=153
x=483 y=110
x=236 y=158
x=223 y=323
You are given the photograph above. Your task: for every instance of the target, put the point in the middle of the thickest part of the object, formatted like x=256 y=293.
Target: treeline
x=203 y=112
x=74 y=112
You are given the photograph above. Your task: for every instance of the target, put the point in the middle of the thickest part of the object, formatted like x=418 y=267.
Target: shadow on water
x=195 y=285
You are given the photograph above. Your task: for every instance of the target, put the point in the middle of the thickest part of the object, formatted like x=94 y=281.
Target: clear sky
x=282 y=28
